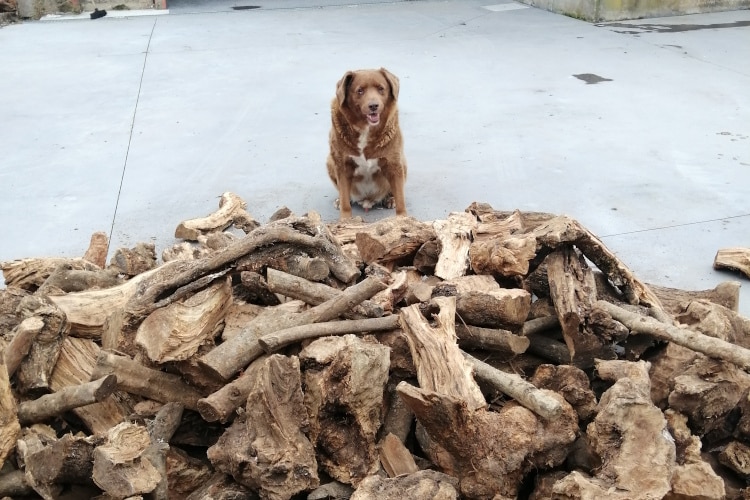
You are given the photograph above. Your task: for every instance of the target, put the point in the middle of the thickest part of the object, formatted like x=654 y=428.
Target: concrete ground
x=129 y=125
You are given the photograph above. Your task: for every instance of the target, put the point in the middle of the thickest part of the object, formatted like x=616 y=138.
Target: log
x=220 y=406
x=735 y=259
x=440 y=365
x=266 y=449
x=255 y=289
x=236 y=353
x=66 y=399
x=504 y=308
x=685 y=337
x=22 y=338
x=491 y=339
x=134 y=261
x=344 y=379
x=573 y=292
x=278 y=340
x=9 y=426
x=66 y=279
x=161 y=430
x=570 y=382
x=13 y=484
x=536 y=400
x=221 y=487
x=395 y=458
x=288 y=259
x=315 y=293
x=135 y=378
x=726 y=294
x=398 y=420
x=231 y=209
x=175 y=332
x=98 y=248
x=121 y=468
x=421 y=484
x=504 y=256
x=392 y=239
x=427 y=256
x=69 y=460
x=30 y=274
x=454 y=235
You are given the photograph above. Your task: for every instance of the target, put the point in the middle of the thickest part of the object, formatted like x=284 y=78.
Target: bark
x=231 y=209
x=475 y=337
x=344 y=379
x=161 y=430
x=288 y=259
x=30 y=274
x=735 y=259
x=395 y=458
x=66 y=399
x=22 y=338
x=68 y=460
x=392 y=239
x=454 y=235
x=121 y=467
x=422 y=484
x=66 y=279
x=134 y=261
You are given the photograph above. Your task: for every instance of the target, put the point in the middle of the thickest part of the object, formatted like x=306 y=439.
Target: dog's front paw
x=389 y=202
x=337 y=204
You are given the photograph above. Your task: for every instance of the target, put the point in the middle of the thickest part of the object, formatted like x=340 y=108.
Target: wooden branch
x=710 y=346
x=736 y=259
x=161 y=430
x=519 y=389
x=392 y=239
x=220 y=405
x=538 y=325
x=454 y=235
x=236 y=353
x=35 y=370
x=491 y=339
x=22 y=337
x=286 y=258
x=135 y=378
x=29 y=274
x=315 y=293
x=278 y=340
x=65 y=278
x=231 y=207
x=66 y=399
x=65 y=461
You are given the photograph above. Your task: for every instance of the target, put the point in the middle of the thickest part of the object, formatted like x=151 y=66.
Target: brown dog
x=366 y=162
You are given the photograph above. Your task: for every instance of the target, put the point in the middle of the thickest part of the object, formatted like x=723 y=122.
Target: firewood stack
x=490 y=355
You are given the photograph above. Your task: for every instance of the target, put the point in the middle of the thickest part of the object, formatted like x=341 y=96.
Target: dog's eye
x=381 y=89
x=360 y=91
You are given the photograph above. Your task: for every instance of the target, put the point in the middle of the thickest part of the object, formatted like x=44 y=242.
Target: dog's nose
x=374 y=106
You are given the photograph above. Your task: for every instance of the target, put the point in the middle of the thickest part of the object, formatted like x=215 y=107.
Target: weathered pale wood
x=536 y=400
x=344 y=379
x=135 y=378
x=421 y=484
x=69 y=460
x=29 y=274
x=726 y=294
x=120 y=466
x=440 y=365
x=161 y=430
x=22 y=338
x=266 y=448
x=66 y=399
x=231 y=208
x=492 y=339
x=134 y=261
x=685 y=337
x=395 y=458
x=9 y=426
x=175 y=332
x=735 y=258
x=220 y=406
x=454 y=235
x=66 y=279
x=96 y=253
x=288 y=259
x=392 y=238
x=505 y=256
x=236 y=353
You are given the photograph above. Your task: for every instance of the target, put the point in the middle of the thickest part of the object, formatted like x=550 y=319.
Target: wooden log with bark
x=134 y=261
x=9 y=426
x=22 y=338
x=392 y=239
x=66 y=399
x=231 y=211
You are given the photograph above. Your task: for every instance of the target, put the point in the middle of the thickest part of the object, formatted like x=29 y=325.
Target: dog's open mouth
x=373 y=118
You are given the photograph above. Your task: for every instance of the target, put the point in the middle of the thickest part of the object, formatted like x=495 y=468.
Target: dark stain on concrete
x=631 y=29
x=591 y=78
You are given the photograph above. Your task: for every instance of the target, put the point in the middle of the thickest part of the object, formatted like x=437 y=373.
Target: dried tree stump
x=96 y=253
x=175 y=332
x=22 y=338
x=120 y=467
x=66 y=399
x=736 y=259
x=454 y=235
x=266 y=449
x=344 y=379
x=231 y=208
x=392 y=239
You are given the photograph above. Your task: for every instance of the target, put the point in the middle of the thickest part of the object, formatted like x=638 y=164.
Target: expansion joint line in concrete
x=132 y=127
x=675 y=225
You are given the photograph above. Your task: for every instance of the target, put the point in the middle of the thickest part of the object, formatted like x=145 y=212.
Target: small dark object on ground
x=98 y=13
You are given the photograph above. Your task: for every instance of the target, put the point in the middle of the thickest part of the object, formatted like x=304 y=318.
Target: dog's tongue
x=373 y=118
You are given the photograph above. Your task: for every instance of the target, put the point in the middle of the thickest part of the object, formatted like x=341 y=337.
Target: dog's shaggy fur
x=366 y=162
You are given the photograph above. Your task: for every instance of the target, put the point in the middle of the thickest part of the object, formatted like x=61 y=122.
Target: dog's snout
x=374 y=106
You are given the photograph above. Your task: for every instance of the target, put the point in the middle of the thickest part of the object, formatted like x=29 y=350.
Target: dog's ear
x=392 y=81
x=342 y=88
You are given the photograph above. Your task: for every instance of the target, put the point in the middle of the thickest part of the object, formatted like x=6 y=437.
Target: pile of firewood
x=491 y=355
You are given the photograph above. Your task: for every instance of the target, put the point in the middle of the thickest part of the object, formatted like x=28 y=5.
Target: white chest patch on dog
x=365 y=191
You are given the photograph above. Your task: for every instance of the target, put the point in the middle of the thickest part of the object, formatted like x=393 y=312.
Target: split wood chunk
x=267 y=449
x=427 y=256
x=120 y=466
x=96 y=253
x=35 y=369
x=66 y=399
x=9 y=426
x=491 y=339
x=643 y=462
x=69 y=460
x=231 y=208
x=286 y=258
x=135 y=378
x=726 y=294
x=422 y=484
x=220 y=405
x=736 y=259
x=186 y=474
x=315 y=293
x=66 y=279
x=236 y=353
x=536 y=400
x=175 y=332
x=134 y=261
x=573 y=292
x=392 y=239
x=398 y=419
x=717 y=321
x=30 y=274
x=492 y=227
x=440 y=365
x=491 y=451
x=13 y=484
x=22 y=338
x=161 y=430
x=505 y=256
x=528 y=221
x=221 y=487
x=710 y=346
x=344 y=379
x=454 y=235
x=398 y=283
x=571 y=383
x=395 y=458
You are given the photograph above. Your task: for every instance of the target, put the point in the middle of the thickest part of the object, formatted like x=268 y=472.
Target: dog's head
x=366 y=93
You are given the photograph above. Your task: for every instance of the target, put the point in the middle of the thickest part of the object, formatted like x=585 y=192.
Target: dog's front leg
x=396 y=180
x=345 y=196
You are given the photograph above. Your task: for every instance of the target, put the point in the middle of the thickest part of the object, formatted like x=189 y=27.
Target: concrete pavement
x=130 y=125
